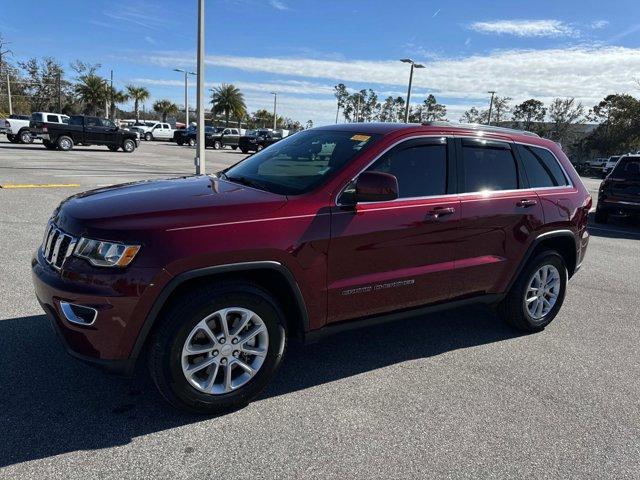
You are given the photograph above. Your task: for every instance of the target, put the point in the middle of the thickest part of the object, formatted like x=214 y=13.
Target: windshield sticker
x=360 y=138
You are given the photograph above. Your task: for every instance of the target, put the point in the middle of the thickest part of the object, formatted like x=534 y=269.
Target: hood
x=161 y=205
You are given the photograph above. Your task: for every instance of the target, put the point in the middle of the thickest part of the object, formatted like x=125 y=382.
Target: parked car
x=256 y=140
x=596 y=165
x=16 y=127
x=207 y=277
x=87 y=131
x=181 y=136
x=619 y=193
x=222 y=137
x=158 y=131
x=192 y=135
x=46 y=117
x=609 y=165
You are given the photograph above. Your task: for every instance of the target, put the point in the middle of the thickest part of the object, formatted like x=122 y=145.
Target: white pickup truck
x=16 y=127
x=156 y=131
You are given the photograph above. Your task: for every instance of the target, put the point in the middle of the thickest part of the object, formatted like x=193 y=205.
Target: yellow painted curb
x=41 y=185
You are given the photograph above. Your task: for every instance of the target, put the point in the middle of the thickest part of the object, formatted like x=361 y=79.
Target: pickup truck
x=156 y=131
x=222 y=137
x=17 y=129
x=87 y=131
x=256 y=140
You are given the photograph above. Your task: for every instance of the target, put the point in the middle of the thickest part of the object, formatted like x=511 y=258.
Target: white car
x=609 y=165
x=17 y=129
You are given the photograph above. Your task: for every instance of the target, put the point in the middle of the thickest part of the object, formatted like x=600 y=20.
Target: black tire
x=235 y=147
x=217 y=145
x=165 y=354
x=512 y=309
x=244 y=150
x=148 y=136
x=192 y=142
x=49 y=145
x=113 y=148
x=180 y=142
x=12 y=138
x=259 y=147
x=64 y=143
x=129 y=146
x=25 y=136
x=602 y=216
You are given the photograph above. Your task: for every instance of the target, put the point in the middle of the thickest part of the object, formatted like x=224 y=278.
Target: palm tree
x=93 y=92
x=165 y=107
x=138 y=94
x=116 y=97
x=229 y=100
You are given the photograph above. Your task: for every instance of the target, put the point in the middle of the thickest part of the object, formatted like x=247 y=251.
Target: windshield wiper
x=245 y=181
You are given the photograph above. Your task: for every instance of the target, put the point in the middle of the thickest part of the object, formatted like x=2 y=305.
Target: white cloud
x=598 y=24
x=587 y=73
x=291 y=86
x=278 y=5
x=525 y=28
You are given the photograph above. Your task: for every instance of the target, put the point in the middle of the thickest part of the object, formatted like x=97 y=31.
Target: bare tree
x=500 y=109
x=564 y=114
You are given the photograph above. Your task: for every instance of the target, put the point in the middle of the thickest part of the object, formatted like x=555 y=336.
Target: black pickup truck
x=256 y=140
x=86 y=131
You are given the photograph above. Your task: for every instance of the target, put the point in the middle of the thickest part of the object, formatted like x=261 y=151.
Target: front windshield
x=299 y=162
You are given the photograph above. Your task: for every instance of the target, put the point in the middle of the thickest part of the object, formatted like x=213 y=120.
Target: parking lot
x=450 y=395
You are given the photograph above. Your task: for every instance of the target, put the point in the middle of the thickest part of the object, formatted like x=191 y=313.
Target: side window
x=52 y=118
x=166 y=126
x=546 y=171
x=226 y=131
x=92 y=122
x=234 y=131
x=421 y=170
x=107 y=123
x=76 y=121
x=488 y=167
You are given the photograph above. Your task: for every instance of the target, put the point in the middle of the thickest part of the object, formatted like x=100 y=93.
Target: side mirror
x=376 y=187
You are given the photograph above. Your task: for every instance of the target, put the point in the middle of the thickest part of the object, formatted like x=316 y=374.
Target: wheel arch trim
x=179 y=279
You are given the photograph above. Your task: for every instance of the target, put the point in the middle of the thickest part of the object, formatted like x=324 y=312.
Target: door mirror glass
x=376 y=187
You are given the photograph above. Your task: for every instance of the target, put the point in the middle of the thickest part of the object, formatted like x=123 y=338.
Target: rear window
x=488 y=168
x=542 y=167
x=627 y=167
x=37 y=117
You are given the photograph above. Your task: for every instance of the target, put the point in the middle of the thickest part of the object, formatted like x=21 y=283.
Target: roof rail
x=478 y=126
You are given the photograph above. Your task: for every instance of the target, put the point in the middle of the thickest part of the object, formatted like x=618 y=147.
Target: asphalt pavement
x=450 y=395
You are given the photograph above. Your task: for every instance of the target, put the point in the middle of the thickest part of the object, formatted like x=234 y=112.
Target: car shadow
x=52 y=404
x=616 y=227
x=76 y=148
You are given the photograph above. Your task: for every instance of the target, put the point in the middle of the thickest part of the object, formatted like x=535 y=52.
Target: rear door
x=94 y=131
x=499 y=214
x=396 y=254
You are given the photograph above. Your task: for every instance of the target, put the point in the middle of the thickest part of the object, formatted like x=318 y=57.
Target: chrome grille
x=57 y=246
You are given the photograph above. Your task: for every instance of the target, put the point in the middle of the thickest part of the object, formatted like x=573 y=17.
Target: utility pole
x=492 y=92
x=113 y=110
x=186 y=92
x=413 y=65
x=275 y=103
x=9 y=94
x=337 y=112
x=200 y=155
x=59 y=93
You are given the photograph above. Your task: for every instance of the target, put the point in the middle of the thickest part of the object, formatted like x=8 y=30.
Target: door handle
x=526 y=202
x=438 y=212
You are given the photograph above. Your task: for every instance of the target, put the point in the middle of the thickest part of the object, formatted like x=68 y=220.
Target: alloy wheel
x=542 y=291
x=225 y=350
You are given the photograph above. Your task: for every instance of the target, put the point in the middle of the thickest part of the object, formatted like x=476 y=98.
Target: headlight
x=106 y=254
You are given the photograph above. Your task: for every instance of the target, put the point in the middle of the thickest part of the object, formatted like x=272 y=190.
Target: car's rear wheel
x=235 y=147
x=537 y=295
x=244 y=150
x=602 y=216
x=148 y=136
x=192 y=142
x=25 y=137
x=180 y=142
x=218 y=347
x=217 y=145
x=260 y=147
x=65 y=143
x=128 y=145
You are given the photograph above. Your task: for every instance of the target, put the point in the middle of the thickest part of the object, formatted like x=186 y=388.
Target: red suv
x=328 y=229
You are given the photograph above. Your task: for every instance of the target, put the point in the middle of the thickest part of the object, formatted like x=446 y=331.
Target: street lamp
x=186 y=92
x=275 y=103
x=492 y=92
x=413 y=65
x=200 y=160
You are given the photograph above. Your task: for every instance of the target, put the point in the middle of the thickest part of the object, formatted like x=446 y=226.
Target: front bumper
x=122 y=301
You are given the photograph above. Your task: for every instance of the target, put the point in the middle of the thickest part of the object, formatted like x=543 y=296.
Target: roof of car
x=438 y=126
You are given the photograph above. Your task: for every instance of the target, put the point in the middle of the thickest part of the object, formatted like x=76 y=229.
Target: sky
x=302 y=48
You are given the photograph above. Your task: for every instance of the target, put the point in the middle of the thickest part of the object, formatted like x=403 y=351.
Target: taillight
x=7 y=124
x=44 y=128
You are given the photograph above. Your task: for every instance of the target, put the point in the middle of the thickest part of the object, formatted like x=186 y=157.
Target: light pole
x=413 y=65
x=200 y=160
x=186 y=93
x=492 y=92
x=275 y=104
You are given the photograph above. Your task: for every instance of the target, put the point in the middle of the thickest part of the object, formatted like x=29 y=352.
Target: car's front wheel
x=218 y=347
x=148 y=136
x=537 y=294
x=128 y=145
x=25 y=137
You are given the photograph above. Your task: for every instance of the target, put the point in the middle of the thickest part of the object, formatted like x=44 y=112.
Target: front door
x=94 y=132
x=499 y=214
x=396 y=254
